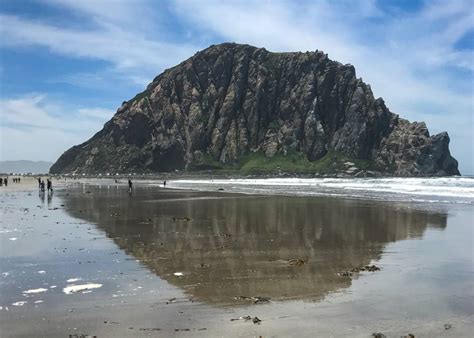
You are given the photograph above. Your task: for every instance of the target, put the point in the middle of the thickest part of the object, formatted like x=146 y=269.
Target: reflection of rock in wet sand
x=235 y=245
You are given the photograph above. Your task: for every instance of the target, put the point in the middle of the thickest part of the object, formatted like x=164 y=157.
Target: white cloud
x=108 y=11
x=36 y=128
x=409 y=58
x=100 y=113
x=130 y=52
x=105 y=80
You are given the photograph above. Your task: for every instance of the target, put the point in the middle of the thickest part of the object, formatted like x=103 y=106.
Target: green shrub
x=292 y=163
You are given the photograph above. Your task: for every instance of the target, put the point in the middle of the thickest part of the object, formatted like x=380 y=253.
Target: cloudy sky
x=66 y=66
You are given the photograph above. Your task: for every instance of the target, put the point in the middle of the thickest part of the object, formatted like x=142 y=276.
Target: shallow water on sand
x=92 y=259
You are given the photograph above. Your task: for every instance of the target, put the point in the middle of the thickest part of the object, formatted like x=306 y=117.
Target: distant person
x=39 y=183
x=42 y=186
x=49 y=185
x=130 y=184
x=5 y=181
x=1 y=181
x=164 y=184
x=19 y=179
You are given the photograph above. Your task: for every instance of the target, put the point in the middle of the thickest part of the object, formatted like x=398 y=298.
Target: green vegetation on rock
x=291 y=163
x=206 y=162
x=296 y=162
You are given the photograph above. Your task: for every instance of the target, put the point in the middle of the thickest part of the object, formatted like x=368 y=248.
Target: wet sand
x=165 y=262
x=26 y=184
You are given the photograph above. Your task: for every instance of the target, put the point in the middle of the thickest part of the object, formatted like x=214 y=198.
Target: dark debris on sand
x=298 y=261
x=150 y=329
x=175 y=219
x=378 y=335
x=354 y=271
x=381 y=335
x=254 y=320
x=255 y=299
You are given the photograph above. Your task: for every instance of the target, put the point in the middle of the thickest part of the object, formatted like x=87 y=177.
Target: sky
x=66 y=66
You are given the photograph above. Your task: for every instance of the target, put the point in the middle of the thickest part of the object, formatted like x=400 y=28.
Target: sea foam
x=442 y=189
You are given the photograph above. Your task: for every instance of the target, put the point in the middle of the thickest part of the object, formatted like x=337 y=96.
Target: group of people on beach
x=4 y=180
x=41 y=185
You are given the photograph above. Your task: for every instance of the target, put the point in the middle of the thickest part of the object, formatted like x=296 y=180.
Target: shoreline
x=347 y=189
x=221 y=175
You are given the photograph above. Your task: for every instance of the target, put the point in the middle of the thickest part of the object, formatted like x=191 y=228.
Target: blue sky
x=66 y=66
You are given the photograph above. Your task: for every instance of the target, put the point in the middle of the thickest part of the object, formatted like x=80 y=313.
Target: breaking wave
x=443 y=189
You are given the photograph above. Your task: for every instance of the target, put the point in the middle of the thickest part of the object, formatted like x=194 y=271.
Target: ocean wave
x=442 y=190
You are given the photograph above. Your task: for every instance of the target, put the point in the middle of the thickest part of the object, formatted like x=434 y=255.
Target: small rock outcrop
x=232 y=100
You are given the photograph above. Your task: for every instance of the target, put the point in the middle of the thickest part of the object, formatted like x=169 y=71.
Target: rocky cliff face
x=230 y=100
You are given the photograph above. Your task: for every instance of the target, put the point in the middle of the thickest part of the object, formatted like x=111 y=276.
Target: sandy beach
x=93 y=260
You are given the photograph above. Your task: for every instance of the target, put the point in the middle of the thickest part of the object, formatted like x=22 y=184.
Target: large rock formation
x=231 y=100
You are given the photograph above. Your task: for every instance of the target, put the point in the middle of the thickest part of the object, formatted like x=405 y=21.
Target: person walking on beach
x=1 y=181
x=5 y=181
x=164 y=184
x=41 y=185
x=130 y=184
x=49 y=185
